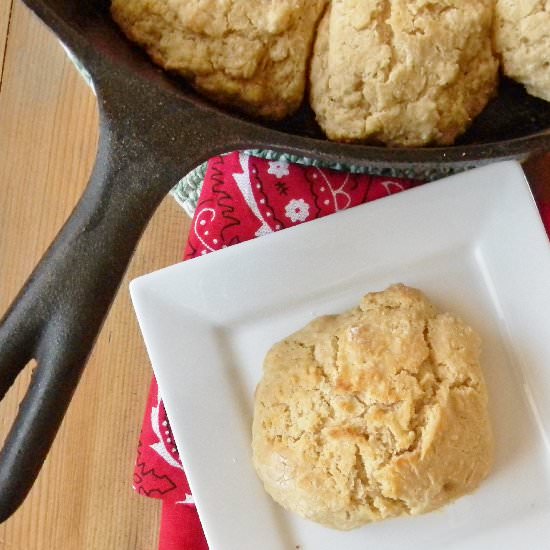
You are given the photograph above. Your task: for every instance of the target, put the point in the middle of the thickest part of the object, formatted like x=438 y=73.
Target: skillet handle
x=59 y=312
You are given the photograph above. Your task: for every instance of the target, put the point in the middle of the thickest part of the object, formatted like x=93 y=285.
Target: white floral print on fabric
x=278 y=168
x=297 y=210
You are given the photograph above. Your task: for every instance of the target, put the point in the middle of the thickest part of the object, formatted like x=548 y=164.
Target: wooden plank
x=48 y=136
x=5 y=13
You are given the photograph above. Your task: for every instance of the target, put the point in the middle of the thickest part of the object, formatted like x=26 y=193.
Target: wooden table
x=48 y=133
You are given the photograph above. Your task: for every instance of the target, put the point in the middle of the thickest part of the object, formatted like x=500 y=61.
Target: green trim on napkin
x=188 y=189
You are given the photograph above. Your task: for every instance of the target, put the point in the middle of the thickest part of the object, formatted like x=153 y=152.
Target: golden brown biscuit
x=378 y=412
x=251 y=55
x=522 y=38
x=402 y=72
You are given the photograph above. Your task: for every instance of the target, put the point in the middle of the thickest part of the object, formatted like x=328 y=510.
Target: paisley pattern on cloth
x=246 y=197
x=242 y=197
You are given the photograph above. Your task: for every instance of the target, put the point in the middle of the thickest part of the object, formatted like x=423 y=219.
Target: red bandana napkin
x=243 y=197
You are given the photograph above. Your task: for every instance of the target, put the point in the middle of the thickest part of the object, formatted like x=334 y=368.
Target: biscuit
x=375 y=413
x=522 y=38
x=248 y=54
x=401 y=72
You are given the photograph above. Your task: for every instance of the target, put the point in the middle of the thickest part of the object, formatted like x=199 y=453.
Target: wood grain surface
x=48 y=133
x=5 y=11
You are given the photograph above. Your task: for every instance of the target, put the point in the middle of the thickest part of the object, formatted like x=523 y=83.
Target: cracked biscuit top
x=378 y=412
x=402 y=72
x=251 y=55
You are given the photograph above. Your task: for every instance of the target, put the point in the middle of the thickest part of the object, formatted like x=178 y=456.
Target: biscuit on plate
x=402 y=72
x=378 y=412
x=243 y=53
x=522 y=38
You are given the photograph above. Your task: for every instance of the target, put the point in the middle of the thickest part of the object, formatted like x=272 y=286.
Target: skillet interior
x=513 y=125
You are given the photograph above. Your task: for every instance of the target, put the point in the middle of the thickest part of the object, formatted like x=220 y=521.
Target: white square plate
x=473 y=242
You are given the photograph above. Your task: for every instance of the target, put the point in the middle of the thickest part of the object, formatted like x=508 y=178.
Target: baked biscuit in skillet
x=250 y=54
x=403 y=72
x=522 y=38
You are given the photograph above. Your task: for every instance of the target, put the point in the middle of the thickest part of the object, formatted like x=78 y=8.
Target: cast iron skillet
x=153 y=130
